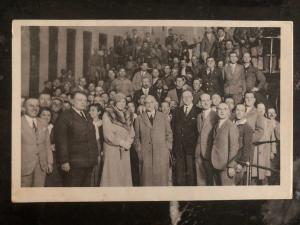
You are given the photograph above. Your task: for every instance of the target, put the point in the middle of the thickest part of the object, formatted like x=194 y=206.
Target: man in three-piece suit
x=153 y=143
x=185 y=132
x=206 y=120
x=36 y=152
x=76 y=144
x=224 y=148
x=145 y=90
x=235 y=85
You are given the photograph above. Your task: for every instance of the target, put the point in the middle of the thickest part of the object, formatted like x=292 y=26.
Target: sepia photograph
x=151 y=110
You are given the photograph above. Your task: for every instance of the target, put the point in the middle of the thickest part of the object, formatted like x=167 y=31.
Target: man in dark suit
x=212 y=78
x=225 y=148
x=245 y=145
x=145 y=90
x=176 y=93
x=185 y=132
x=76 y=144
x=206 y=121
x=159 y=91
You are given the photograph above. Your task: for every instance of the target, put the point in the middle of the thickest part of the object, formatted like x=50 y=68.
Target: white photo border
x=102 y=194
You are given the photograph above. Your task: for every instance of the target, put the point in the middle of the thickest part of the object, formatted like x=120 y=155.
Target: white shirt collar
x=239 y=122
x=77 y=111
x=152 y=113
x=30 y=120
x=145 y=90
x=189 y=107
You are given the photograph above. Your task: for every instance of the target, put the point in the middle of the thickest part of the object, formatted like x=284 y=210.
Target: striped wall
x=47 y=50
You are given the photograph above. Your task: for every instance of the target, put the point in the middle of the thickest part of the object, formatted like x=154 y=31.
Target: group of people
x=194 y=119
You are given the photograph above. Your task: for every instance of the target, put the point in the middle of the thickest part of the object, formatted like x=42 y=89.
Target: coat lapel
x=146 y=119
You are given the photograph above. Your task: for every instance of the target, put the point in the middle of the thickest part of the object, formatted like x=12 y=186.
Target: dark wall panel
x=53 y=51
x=87 y=49
x=34 y=33
x=71 y=40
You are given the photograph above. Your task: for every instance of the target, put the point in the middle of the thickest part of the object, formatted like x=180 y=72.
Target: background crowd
x=156 y=113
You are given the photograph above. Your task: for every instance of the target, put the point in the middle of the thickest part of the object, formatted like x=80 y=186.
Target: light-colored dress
x=116 y=168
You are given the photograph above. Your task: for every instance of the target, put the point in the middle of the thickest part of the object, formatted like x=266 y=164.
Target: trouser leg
x=39 y=176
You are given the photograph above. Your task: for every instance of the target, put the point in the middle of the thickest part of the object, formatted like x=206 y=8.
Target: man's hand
x=66 y=167
x=255 y=89
x=238 y=168
x=49 y=168
x=272 y=155
x=231 y=172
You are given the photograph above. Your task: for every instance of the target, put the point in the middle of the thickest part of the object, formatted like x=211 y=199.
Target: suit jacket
x=234 y=82
x=255 y=121
x=75 y=140
x=35 y=147
x=213 y=82
x=254 y=78
x=173 y=95
x=137 y=94
x=245 y=143
x=185 y=130
x=225 y=145
x=160 y=97
x=205 y=138
x=153 y=142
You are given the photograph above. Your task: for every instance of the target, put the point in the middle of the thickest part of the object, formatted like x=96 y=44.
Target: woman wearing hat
x=118 y=136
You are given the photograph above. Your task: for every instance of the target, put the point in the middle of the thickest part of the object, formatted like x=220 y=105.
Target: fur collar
x=120 y=118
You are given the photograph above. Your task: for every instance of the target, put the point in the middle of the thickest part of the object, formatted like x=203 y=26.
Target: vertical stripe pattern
x=34 y=61
x=53 y=52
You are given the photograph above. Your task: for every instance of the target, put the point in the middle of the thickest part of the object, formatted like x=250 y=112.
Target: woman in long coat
x=153 y=142
x=118 y=136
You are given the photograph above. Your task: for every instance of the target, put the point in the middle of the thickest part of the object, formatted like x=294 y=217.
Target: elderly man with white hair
x=153 y=143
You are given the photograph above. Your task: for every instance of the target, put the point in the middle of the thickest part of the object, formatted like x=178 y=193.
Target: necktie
x=82 y=115
x=151 y=119
x=34 y=126
x=186 y=111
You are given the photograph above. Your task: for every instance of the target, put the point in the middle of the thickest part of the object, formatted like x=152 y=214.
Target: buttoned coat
x=225 y=145
x=75 y=140
x=234 y=82
x=153 y=144
x=213 y=82
x=35 y=148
